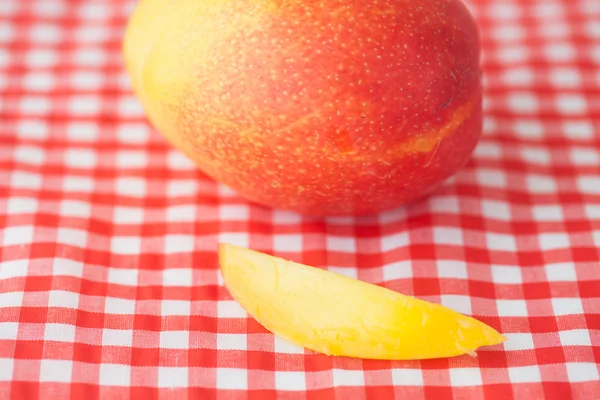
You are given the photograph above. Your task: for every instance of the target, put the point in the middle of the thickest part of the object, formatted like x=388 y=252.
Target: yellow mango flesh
x=336 y=315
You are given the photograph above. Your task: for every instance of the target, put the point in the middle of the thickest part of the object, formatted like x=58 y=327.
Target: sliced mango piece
x=336 y=315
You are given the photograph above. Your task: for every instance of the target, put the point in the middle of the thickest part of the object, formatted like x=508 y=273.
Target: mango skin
x=340 y=107
x=336 y=315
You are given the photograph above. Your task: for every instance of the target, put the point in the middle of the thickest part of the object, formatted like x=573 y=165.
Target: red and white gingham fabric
x=109 y=283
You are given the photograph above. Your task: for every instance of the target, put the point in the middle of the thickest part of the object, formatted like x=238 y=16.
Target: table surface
x=109 y=283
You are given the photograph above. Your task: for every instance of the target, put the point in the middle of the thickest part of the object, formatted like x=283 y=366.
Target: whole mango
x=337 y=107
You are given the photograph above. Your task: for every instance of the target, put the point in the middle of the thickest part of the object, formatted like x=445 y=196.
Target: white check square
x=283 y=346
x=596 y=238
x=561 y=272
x=232 y=341
x=175 y=307
x=585 y=156
x=565 y=77
x=86 y=80
x=592 y=29
x=589 y=184
x=230 y=212
x=133 y=132
x=554 y=241
x=117 y=337
x=496 y=209
x=67 y=267
x=519 y=341
x=184 y=188
x=518 y=76
x=115 y=375
x=232 y=378
x=177 y=277
x=84 y=105
x=36 y=105
x=508 y=32
x=230 y=309
x=547 y=213
x=83 y=131
x=18 y=235
x=484 y=150
x=582 y=372
x=131 y=159
x=446 y=235
x=235 y=238
x=75 y=208
x=8 y=330
x=81 y=158
x=59 y=332
x=78 y=184
x=42 y=57
x=114 y=305
x=522 y=102
x=527 y=374
x=29 y=155
x=536 y=155
x=177 y=160
x=287 y=242
x=571 y=104
x=130 y=186
x=5 y=58
x=559 y=52
x=506 y=274
x=285 y=217
x=172 y=377
x=11 y=299
x=62 y=298
x=394 y=241
x=290 y=380
x=128 y=215
x=529 y=129
x=14 y=268
x=91 y=34
x=32 y=129
x=465 y=377
x=21 y=205
x=578 y=129
x=452 y=269
x=72 y=237
x=341 y=244
x=129 y=106
x=504 y=11
x=575 y=337
x=125 y=245
x=398 y=270
x=512 y=308
x=541 y=184
x=46 y=33
x=179 y=244
x=344 y=377
x=6 y=369
x=567 y=306
x=56 y=370
x=445 y=204
x=175 y=339
x=501 y=242
x=407 y=377
x=25 y=180
x=181 y=213
x=462 y=304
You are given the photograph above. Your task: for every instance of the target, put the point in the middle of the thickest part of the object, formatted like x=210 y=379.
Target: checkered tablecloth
x=109 y=283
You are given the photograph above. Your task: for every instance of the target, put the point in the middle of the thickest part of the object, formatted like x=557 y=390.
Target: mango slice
x=337 y=315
